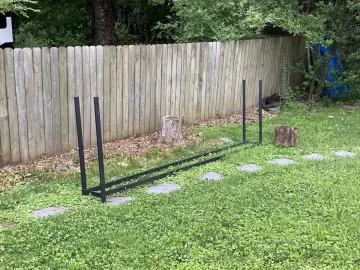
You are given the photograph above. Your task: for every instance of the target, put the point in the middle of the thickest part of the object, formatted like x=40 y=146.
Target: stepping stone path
x=163 y=188
x=118 y=200
x=343 y=153
x=314 y=157
x=212 y=176
x=226 y=140
x=283 y=161
x=248 y=168
x=170 y=187
x=45 y=212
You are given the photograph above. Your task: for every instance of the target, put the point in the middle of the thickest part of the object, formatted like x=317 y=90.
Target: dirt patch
x=6 y=226
x=19 y=174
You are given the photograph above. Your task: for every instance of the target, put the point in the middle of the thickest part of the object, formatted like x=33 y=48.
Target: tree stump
x=286 y=135
x=171 y=129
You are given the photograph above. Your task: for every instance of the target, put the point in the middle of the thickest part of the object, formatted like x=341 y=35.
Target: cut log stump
x=171 y=129
x=286 y=135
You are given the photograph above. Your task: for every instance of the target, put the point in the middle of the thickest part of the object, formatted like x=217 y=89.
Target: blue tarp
x=335 y=69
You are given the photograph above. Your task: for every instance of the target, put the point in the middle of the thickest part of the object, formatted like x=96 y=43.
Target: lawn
x=301 y=216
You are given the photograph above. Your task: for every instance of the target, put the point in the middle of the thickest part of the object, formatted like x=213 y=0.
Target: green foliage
x=21 y=7
x=60 y=23
x=301 y=216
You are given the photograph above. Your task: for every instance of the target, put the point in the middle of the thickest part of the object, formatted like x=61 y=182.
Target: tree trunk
x=171 y=129
x=103 y=22
x=285 y=135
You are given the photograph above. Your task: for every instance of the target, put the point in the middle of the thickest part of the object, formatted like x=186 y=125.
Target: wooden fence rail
x=136 y=85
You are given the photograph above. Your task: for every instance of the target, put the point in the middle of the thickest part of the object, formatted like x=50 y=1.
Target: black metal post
x=81 y=146
x=244 y=111
x=100 y=149
x=260 y=111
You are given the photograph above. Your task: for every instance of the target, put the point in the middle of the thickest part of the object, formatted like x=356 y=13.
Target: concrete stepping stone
x=248 y=168
x=118 y=200
x=343 y=153
x=283 y=161
x=163 y=188
x=212 y=176
x=314 y=156
x=50 y=211
x=226 y=140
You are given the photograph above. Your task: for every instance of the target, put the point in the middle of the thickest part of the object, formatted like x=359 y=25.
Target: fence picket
x=106 y=95
x=30 y=102
x=5 y=146
x=87 y=98
x=39 y=103
x=55 y=99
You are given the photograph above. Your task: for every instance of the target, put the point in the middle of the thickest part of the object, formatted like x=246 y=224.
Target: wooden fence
x=137 y=85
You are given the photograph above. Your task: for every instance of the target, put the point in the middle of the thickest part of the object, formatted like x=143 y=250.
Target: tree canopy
x=21 y=7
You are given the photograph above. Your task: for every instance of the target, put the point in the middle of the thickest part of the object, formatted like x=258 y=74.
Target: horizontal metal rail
x=159 y=176
x=160 y=168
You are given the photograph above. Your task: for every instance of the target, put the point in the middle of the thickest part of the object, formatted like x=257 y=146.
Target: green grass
x=304 y=216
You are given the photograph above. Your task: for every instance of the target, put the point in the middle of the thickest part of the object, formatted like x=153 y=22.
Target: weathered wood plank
x=12 y=105
x=126 y=89
x=4 y=116
x=221 y=68
x=79 y=91
x=63 y=95
x=178 y=81
x=55 y=99
x=192 y=87
x=190 y=66
x=232 y=78
x=225 y=79
x=113 y=98
x=93 y=92
x=21 y=103
x=197 y=86
x=214 y=76
x=183 y=82
x=148 y=85
x=46 y=72
x=39 y=103
x=142 y=92
x=30 y=102
x=173 y=81
x=100 y=83
x=131 y=93
x=137 y=91
x=71 y=95
x=247 y=68
x=238 y=64
x=153 y=68
x=119 y=93
x=164 y=79
x=210 y=81
x=87 y=96
x=204 y=76
x=159 y=54
x=106 y=95
x=168 y=79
